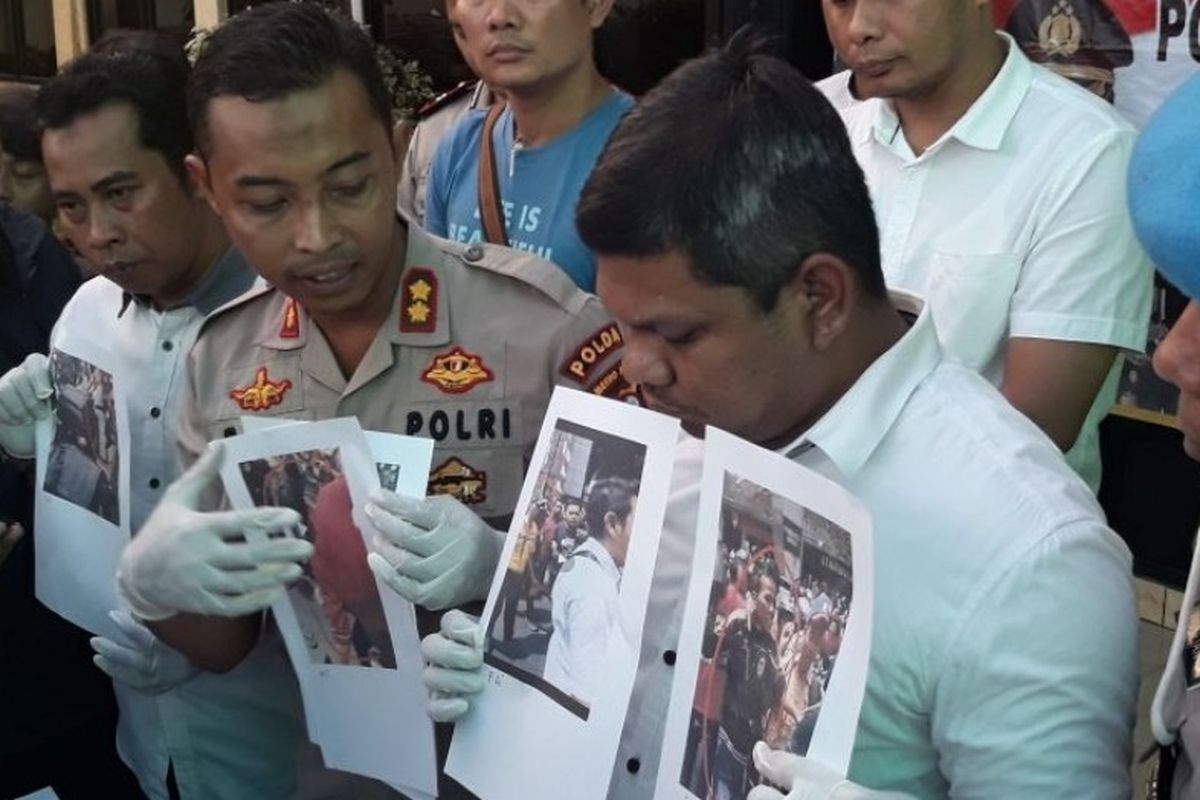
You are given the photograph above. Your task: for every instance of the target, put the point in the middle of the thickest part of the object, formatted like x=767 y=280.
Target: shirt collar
x=229 y=277
x=987 y=120
x=420 y=313
x=851 y=431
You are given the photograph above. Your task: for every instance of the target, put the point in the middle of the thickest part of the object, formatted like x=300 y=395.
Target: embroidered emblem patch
x=418 y=301
x=1060 y=32
x=580 y=364
x=614 y=385
x=459 y=480
x=262 y=394
x=290 y=329
x=457 y=372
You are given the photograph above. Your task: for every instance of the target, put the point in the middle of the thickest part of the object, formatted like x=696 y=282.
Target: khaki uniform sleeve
x=588 y=356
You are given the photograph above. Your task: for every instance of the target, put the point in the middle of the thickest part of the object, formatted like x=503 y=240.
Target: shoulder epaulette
x=258 y=289
x=446 y=98
x=542 y=275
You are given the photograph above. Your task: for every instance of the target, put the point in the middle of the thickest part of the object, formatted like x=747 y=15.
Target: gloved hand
x=188 y=560
x=138 y=659
x=455 y=665
x=24 y=399
x=435 y=552
x=805 y=779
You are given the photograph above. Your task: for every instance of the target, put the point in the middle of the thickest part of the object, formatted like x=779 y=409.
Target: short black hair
x=18 y=124
x=272 y=50
x=606 y=495
x=738 y=162
x=124 y=40
x=151 y=84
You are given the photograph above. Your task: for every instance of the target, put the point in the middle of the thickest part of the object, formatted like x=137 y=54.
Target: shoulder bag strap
x=490 y=210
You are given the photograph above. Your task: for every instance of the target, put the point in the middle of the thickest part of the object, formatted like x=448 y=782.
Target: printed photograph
x=1191 y=648
x=559 y=599
x=776 y=612
x=336 y=601
x=389 y=475
x=83 y=463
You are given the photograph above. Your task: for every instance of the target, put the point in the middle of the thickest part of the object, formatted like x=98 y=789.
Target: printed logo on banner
x=460 y=480
x=262 y=394
x=457 y=372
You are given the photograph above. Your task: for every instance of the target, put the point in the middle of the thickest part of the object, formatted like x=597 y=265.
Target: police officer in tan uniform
x=475 y=341
x=366 y=316
x=434 y=120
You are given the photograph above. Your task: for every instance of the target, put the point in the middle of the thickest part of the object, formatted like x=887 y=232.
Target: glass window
x=174 y=18
x=417 y=29
x=26 y=38
x=237 y=6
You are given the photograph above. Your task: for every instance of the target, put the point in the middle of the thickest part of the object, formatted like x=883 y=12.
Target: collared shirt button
x=669 y=658
x=633 y=765
x=473 y=253
x=155 y=412
x=168 y=345
x=155 y=483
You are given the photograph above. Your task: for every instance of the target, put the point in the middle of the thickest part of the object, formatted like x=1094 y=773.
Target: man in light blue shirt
x=749 y=291
x=560 y=112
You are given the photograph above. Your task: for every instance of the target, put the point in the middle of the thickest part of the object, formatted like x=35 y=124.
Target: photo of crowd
x=336 y=601
x=84 y=455
x=776 y=613
x=559 y=598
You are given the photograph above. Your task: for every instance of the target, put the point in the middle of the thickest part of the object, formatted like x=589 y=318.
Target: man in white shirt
x=115 y=138
x=997 y=188
x=585 y=599
x=747 y=284
x=1163 y=194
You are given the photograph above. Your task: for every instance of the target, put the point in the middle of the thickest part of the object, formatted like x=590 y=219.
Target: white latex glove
x=138 y=659
x=804 y=779
x=435 y=552
x=188 y=560
x=455 y=665
x=24 y=399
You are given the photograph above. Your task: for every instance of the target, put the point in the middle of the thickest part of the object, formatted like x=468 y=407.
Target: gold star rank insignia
x=421 y=290
x=418 y=312
x=418 y=301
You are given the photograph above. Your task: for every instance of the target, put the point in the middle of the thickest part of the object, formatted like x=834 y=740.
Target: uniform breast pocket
x=487 y=480
x=969 y=297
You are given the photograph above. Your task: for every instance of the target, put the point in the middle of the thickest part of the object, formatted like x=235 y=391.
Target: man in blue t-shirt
x=559 y=115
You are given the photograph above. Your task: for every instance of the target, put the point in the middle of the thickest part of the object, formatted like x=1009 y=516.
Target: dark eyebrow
x=116 y=177
x=251 y=181
x=353 y=158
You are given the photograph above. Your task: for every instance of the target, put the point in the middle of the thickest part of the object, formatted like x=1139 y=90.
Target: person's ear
x=197 y=170
x=822 y=293
x=598 y=11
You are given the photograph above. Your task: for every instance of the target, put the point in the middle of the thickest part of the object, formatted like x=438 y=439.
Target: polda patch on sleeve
x=580 y=365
